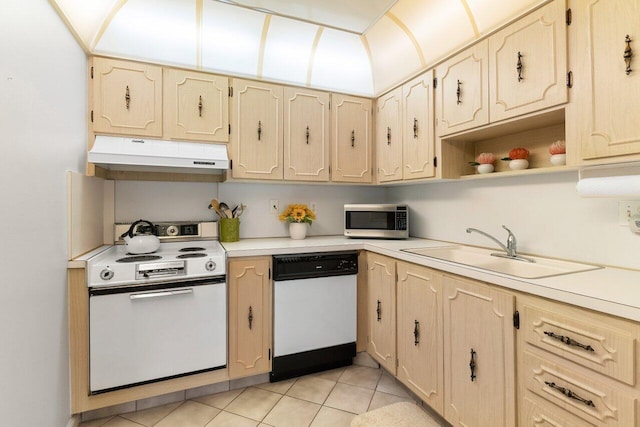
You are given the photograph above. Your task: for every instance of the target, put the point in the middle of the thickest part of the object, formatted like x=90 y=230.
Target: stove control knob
x=172 y=230
x=210 y=265
x=106 y=274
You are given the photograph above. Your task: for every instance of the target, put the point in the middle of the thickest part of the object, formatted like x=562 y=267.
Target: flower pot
x=298 y=230
x=518 y=164
x=485 y=168
x=558 y=159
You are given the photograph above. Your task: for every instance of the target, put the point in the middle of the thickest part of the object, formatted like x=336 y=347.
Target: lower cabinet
x=381 y=278
x=479 y=354
x=250 y=325
x=419 y=332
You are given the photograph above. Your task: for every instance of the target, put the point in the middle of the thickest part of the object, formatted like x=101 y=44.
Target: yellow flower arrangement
x=297 y=213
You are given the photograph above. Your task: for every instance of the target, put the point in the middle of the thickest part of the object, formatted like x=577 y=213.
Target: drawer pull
x=628 y=54
x=379 y=310
x=519 y=67
x=200 y=106
x=472 y=365
x=250 y=317
x=570 y=394
x=458 y=93
x=416 y=333
x=568 y=341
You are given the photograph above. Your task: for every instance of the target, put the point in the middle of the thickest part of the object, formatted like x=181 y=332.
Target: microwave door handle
x=145 y=295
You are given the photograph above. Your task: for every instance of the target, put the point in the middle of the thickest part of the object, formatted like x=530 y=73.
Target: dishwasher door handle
x=144 y=295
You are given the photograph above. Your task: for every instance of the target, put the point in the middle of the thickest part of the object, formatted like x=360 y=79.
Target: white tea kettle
x=141 y=242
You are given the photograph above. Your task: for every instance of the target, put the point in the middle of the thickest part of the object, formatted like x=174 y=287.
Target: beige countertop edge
x=607 y=290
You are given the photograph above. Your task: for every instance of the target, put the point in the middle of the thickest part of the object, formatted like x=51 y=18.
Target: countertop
x=609 y=290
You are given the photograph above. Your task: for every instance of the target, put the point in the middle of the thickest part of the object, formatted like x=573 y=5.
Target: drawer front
x=587 y=341
x=598 y=402
x=535 y=412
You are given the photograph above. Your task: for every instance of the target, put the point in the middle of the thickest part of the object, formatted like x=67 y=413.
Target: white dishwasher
x=315 y=304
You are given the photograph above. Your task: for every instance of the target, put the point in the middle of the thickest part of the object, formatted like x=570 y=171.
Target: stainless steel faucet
x=510 y=248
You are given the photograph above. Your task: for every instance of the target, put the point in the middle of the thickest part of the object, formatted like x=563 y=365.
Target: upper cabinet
x=418 y=122
x=607 y=39
x=351 y=139
x=528 y=63
x=389 y=136
x=196 y=106
x=256 y=134
x=306 y=135
x=462 y=93
x=127 y=97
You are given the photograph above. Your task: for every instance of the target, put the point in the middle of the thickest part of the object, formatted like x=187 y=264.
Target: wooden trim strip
x=70 y=26
x=199 y=26
x=367 y=48
x=410 y=35
x=312 y=54
x=263 y=44
x=472 y=19
x=105 y=24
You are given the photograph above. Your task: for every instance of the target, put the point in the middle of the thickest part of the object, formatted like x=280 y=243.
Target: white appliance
x=156 y=316
x=138 y=154
x=315 y=305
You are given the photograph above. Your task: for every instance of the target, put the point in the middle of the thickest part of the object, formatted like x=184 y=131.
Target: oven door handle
x=160 y=294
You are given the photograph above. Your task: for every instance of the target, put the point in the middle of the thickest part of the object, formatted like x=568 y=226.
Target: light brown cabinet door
x=420 y=354
x=389 y=136
x=462 y=93
x=256 y=130
x=351 y=139
x=127 y=97
x=306 y=135
x=528 y=63
x=196 y=106
x=418 y=134
x=381 y=278
x=479 y=354
x=606 y=96
x=249 y=316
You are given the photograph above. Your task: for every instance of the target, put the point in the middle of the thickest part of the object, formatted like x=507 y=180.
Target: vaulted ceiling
x=361 y=47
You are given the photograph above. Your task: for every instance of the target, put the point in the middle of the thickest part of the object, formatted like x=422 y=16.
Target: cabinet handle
x=459 y=92
x=307 y=134
x=259 y=129
x=416 y=332
x=250 y=317
x=127 y=97
x=628 y=54
x=353 y=138
x=519 y=67
x=570 y=394
x=388 y=135
x=379 y=311
x=568 y=341
x=415 y=127
x=472 y=365
x=200 y=106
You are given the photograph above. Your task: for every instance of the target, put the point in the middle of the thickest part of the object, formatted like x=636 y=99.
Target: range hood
x=154 y=155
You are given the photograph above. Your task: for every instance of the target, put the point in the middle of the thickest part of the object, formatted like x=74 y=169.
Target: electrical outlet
x=273 y=207
x=313 y=206
x=627 y=209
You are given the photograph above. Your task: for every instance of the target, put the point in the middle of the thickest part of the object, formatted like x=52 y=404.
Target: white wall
x=543 y=211
x=42 y=118
x=171 y=201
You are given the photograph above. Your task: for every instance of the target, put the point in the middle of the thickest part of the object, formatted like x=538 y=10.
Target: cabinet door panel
x=351 y=130
x=420 y=364
x=249 y=317
x=196 y=106
x=419 y=143
x=127 y=97
x=528 y=63
x=478 y=331
x=256 y=132
x=462 y=95
x=389 y=136
x=306 y=135
x=381 y=278
x=608 y=99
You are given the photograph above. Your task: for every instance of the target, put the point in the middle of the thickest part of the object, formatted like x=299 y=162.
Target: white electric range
x=160 y=315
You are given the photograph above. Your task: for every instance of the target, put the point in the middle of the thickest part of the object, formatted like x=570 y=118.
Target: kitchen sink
x=482 y=258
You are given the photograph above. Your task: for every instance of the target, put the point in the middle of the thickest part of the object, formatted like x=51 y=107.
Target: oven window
x=370 y=220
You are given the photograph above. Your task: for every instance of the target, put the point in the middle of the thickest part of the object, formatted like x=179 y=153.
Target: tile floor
x=330 y=398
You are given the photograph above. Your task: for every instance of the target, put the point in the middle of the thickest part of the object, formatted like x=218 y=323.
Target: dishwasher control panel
x=312 y=265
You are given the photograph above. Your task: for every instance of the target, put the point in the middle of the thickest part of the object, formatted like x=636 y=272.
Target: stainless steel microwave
x=382 y=221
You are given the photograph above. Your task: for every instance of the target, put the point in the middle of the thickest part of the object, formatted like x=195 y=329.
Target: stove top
x=172 y=261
